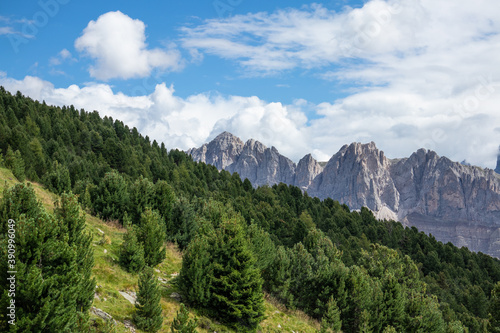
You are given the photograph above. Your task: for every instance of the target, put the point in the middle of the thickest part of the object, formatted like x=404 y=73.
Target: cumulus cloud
x=423 y=75
x=179 y=122
x=118 y=45
x=371 y=116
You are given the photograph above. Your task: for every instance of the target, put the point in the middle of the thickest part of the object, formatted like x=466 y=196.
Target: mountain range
x=454 y=202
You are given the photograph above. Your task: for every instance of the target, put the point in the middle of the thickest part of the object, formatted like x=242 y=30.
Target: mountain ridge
x=454 y=202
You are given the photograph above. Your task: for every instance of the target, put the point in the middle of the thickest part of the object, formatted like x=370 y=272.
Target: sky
x=305 y=77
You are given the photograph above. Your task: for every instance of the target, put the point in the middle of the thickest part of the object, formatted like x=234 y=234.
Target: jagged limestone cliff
x=454 y=202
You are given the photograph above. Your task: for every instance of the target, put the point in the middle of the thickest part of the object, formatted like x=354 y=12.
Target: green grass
x=111 y=278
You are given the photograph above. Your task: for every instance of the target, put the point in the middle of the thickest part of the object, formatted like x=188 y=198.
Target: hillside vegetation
x=343 y=268
x=111 y=278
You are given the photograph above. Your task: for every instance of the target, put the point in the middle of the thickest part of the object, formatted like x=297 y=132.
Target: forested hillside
x=345 y=268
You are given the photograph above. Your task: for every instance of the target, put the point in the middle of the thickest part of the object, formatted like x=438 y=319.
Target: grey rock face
x=358 y=175
x=263 y=165
x=456 y=203
x=220 y=152
x=307 y=169
x=497 y=169
x=252 y=160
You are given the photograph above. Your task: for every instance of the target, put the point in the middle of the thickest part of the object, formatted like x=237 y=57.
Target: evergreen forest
x=346 y=269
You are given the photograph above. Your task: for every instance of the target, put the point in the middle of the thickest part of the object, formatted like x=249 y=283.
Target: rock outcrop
x=306 y=171
x=497 y=169
x=454 y=202
x=358 y=175
x=262 y=165
x=252 y=160
x=220 y=152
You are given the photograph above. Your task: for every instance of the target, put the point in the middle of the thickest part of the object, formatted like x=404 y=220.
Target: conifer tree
x=183 y=223
x=331 y=319
x=163 y=199
x=141 y=196
x=151 y=234
x=148 y=315
x=15 y=162
x=50 y=294
x=193 y=277
x=495 y=309
x=364 y=322
x=58 y=180
x=182 y=323
x=132 y=252
x=72 y=218
x=219 y=273
x=112 y=198
x=235 y=281
x=127 y=221
x=389 y=329
x=393 y=303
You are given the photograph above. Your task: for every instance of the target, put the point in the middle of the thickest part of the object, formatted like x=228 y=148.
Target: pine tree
x=364 y=322
x=132 y=252
x=393 y=303
x=127 y=221
x=163 y=199
x=331 y=319
x=235 y=281
x=495 y=309
x=141 y=196
x=148 y=315
x=50 y=296
x=182 y=323
x=68 y=211
x=183 y=223
x=193 y=278
x=219 y=273
x=58 y=180
x=112 y=199
x=15 y=162
x=151 y=234
x=9 y=158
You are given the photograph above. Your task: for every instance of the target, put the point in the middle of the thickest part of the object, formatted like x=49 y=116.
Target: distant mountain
x=454 y=202
x=253 y=160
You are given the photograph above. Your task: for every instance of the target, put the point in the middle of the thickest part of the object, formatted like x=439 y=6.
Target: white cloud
x=308 y=38
x=426 y=76
x=317 y=37
x=62 y=56
x=180 y=123
x=371 y=116
x=423 y=73
x=118 y=45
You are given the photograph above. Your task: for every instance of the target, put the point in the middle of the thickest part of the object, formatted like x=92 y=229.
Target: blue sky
x=164 y=20
x=302 y=76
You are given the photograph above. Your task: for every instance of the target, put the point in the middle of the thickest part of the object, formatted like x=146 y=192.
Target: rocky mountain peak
x=357 y=175
x=220 y=152
x=454 y=202
x=307 y=169
x=367 y=153
x=253 y=145
x=226 y=138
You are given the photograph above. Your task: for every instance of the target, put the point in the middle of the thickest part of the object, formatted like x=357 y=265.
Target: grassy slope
x=111 y=278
